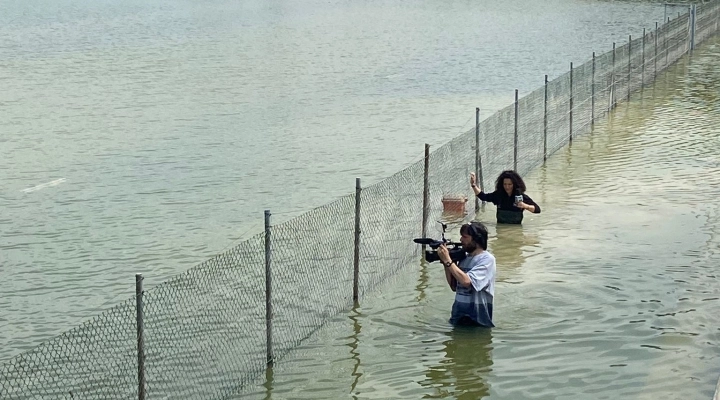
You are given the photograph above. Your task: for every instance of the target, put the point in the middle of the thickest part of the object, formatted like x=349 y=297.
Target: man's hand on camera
x=443 y=254
x=472 y=179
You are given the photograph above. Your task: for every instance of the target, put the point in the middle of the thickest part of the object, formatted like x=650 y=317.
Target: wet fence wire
x=212 y=330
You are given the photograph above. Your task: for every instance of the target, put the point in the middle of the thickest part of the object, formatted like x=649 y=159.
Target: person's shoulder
x=484 y=257
x=489 y=261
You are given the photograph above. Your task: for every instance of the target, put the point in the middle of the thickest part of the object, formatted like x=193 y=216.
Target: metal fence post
x=611 y=99
x=140 y=335
x=665 y=32
x=656 y=54
x=545 y=120
x=571 y=100
x=478 y=159
x=426 y=196
x=629 y=66
x=592 y=93
x=693 y=11
x=642 y=73
x=356 y=256
x=515 y=139
x=268 y=292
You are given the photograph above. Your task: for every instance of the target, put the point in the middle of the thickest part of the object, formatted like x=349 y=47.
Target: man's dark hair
x=477 y=231
x=517 y=181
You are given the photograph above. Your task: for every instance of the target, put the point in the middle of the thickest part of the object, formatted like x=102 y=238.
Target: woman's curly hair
x=518 y=183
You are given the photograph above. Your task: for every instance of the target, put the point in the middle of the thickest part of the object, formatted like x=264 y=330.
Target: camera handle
x=444 y=228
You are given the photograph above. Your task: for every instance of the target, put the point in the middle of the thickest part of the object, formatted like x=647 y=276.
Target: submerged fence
x=214 y=329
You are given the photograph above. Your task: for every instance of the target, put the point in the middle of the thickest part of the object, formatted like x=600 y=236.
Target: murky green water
x=148 y=136
x=611 y=293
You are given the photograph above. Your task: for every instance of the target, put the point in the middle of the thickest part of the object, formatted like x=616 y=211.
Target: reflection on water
x=269 y=373
x=130 y=156
x=356 y=374
x=610 y=293
x=462 y=373
x=511 y=245
x=147 y=136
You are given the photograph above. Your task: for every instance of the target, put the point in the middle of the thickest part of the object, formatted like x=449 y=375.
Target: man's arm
x=481 y=275
x=454 y=272
x=450 y=280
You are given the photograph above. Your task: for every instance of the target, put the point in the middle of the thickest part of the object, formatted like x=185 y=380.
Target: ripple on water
x=608 y=293
x=615 y=301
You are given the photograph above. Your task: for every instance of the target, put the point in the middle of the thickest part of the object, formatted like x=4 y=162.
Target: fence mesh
x=204 y=327
x=388 y=221
x=205 y=330
x=98 y=359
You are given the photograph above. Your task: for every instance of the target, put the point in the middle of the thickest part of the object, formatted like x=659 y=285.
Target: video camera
x=457 y=253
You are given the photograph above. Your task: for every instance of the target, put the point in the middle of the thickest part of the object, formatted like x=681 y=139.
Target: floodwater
x=149 y=136
x=610 y=293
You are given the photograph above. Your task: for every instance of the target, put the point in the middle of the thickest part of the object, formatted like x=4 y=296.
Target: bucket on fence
x=454 y=204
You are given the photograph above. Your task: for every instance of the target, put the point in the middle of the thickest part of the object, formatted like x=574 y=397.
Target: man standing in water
x=473 y=280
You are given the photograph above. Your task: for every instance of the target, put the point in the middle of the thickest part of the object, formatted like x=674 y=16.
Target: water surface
x=610 y=293
x=148 y=136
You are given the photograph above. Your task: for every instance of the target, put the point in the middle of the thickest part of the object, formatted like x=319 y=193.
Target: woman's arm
x=530 y=205
x=488 y=197
x=473 y=184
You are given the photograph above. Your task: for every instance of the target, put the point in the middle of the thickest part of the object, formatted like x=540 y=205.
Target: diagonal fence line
x=205 y=332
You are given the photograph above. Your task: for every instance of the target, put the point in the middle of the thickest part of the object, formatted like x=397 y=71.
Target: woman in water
x=509 y=197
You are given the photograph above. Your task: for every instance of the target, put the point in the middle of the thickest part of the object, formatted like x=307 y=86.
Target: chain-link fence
x=212 y=330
